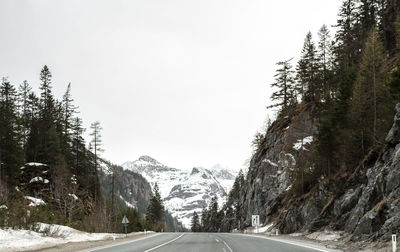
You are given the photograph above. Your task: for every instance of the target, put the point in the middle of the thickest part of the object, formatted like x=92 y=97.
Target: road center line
x=165 y=243
x=228 y=246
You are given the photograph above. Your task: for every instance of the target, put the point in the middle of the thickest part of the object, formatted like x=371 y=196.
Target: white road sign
x=125 y=220
x=394 y=243
x=255 y=220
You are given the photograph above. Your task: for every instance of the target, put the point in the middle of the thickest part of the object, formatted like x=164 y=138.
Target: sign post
x=394 y=243
x=255 y=221
x=125 y=221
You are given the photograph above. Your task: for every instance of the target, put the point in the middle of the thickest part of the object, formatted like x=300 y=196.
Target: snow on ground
x=35 y=164
x=302 y=142
x=39 y=179
x=127 y=203
x=326 y=235
x=35 y=201
x=270 y=162
x=73 y=196
x=264 y=228
x=46 y=235
x=261 y=229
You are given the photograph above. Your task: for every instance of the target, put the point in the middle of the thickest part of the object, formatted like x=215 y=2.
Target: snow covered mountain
x=224 y=175
x=184 y=191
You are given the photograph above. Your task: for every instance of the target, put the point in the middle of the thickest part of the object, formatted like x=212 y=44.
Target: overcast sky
x=184 y=81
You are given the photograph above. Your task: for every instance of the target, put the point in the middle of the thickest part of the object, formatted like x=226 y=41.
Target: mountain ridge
x=184 y=191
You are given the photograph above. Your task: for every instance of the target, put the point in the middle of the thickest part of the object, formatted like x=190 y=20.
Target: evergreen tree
x=325 y=63
x=348 y=48
x=47 y=102
x=205 y=219
x=68 y=110
x=284 y=82
x=155 y=210
x=195 y=223
x=24 y=102
x=78 y=151
x=9 y=146
x=371 y=99
x=96 y=144
x=44 y=137
x=307 y=70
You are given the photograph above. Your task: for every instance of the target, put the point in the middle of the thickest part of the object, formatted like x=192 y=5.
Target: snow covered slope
x=184 y=191
x=224 y=175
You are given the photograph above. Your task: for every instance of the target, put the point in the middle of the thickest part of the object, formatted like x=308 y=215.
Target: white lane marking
x=165 y=243
x=228 y=246
x=216 y=240
x=122 y=243
x=291 y=243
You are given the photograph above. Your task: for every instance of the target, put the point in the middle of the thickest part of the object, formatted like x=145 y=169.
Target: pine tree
x=284 y=82
x=9 y=146
x=371 y=98
x=213 y=214
x=47 y=102
x=78 y=150
x=68 y=110
x=205 y=219
x=325 y=63
x=307 y=69
x=24 y=102
x=44 y=137
x=348 y=48
x=195 y=223
x=155 y=210
x=96 y=143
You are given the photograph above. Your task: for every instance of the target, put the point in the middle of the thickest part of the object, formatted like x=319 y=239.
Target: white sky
x=184 y=81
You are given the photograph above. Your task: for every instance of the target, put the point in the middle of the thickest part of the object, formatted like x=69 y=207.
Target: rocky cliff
x=364 y=202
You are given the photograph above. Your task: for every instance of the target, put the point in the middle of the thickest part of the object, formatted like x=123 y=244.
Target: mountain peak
x=147 y=160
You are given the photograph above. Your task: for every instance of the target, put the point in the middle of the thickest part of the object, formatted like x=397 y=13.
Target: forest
x=48 y=173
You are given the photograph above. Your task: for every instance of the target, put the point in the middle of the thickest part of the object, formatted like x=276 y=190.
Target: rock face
x=130 y=187
x=368 y=206
x=183 y=192
x=268 y=177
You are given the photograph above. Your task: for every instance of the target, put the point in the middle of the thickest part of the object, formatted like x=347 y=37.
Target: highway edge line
x=165 y=243
x=122 y=243
x=288 y=242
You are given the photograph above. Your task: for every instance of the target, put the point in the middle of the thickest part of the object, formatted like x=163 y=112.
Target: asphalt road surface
x=204 y=242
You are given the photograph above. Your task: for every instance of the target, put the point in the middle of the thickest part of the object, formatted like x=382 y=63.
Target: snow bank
x=35 y=201
x=46 y=235
x=326 y=235
x=261 y=229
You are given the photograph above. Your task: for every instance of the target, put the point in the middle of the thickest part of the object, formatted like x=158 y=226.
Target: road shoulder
x=89 y=245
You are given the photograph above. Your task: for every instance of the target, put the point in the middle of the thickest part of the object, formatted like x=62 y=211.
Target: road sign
x=125 y=220
x=255 y=220
x=394 y=245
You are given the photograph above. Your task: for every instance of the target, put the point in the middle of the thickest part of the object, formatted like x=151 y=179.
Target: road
x=203 y=242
